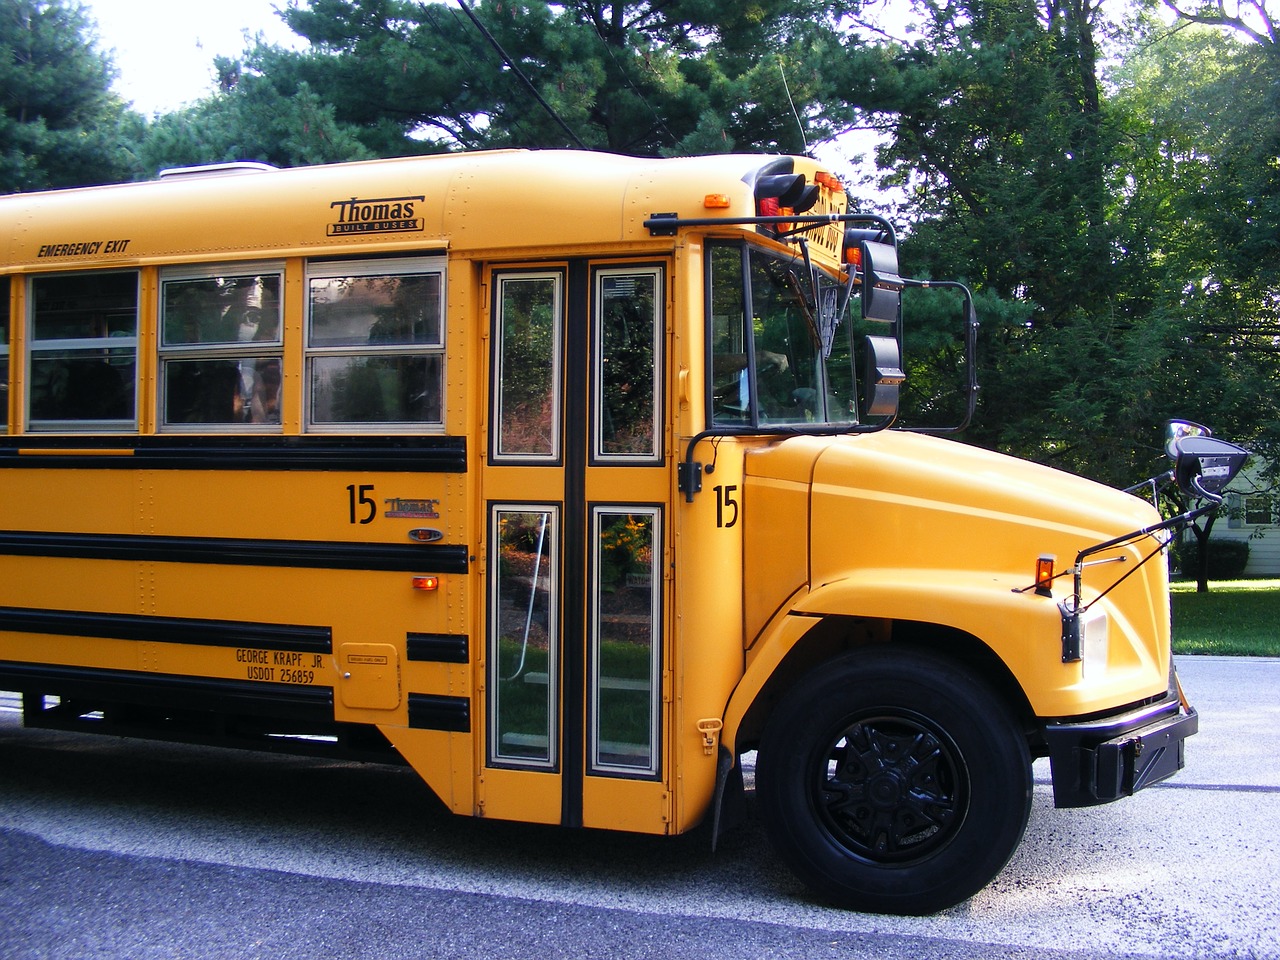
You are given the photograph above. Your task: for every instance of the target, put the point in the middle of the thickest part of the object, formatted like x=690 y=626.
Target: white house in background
x=1253 y=514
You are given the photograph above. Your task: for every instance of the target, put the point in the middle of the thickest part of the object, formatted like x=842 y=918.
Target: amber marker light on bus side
x=716 y=201
x=426 y=583
x=1044 y=575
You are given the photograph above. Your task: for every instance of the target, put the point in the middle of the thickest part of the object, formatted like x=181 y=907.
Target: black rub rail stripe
x=391 y=454
x=314 y=554
x=437 y=647
x=246 y=697
x=290 y=638
x=431 y=712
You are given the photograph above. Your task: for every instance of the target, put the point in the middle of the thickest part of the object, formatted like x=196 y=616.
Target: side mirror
x=883 y=377
x=1203 y=466
x=1177 y=430
x=881 y=283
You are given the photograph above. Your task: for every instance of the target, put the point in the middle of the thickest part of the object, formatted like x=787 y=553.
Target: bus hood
x=903 y=527
x=903 y=500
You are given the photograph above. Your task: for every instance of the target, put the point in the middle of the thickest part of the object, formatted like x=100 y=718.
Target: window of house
x=1259 y=511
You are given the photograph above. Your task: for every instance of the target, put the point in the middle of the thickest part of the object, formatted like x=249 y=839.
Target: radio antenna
x=795 y=113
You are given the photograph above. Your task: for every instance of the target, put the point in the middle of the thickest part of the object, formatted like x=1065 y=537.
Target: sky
x=163 y=50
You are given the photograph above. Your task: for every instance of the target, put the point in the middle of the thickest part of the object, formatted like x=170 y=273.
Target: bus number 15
x=361 y=507
x=727 y=505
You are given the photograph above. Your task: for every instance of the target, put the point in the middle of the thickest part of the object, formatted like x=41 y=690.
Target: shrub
x=1227 y=558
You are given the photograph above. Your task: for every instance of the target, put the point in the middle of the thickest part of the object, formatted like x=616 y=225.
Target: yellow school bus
x=569 y=480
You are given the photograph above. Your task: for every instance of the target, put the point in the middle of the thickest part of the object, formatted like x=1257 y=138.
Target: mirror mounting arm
x=1202 y=468
x=970 y=352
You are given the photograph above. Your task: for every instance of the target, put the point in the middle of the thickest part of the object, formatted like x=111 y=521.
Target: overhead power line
x=506 y=58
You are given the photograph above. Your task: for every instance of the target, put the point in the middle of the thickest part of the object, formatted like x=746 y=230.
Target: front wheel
x=893 y=780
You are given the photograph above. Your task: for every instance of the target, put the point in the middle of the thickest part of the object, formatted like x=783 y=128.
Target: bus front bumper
x=1098 y=761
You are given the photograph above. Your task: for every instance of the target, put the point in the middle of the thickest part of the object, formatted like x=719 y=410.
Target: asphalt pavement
x=137 y=850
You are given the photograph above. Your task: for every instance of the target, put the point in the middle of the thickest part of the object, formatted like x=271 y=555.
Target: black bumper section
x=1098 y=761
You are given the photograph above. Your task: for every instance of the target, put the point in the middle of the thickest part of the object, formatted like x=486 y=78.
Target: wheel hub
x=885 y=791
x=894 y=789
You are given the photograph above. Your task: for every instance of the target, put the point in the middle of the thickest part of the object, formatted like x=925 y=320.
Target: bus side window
x=375 y=343
x=527 y=331
x=84 y=343
x=220 y=347
x=524 y=666
x=730 y=376
x=627 y=362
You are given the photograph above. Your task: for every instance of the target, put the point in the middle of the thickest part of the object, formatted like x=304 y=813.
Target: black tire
x=894 y=781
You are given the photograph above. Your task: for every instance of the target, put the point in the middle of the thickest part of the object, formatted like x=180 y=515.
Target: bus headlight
x=1084 y=636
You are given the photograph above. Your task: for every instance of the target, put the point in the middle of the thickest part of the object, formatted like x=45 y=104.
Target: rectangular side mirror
x=881 y=283
x=882 y=377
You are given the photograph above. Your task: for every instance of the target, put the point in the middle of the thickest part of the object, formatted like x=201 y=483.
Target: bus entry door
x=576 y=496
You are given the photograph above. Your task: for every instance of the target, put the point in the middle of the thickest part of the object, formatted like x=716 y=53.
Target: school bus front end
x=898 y=692
x=919 y=619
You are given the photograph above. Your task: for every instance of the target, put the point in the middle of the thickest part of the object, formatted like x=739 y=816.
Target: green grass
x=1238 y=618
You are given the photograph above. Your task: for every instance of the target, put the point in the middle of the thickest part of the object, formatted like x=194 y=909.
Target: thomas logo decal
x=375 y=215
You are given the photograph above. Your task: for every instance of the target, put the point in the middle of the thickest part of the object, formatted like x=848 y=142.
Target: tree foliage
x=1200 y=232
x=251 y=119
x=1259 y=20
x=641 y=78
x=999 y=135
x=60 y=125
x=1122 y=208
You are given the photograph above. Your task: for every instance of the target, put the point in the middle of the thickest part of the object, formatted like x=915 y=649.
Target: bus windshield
x=780 y=355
